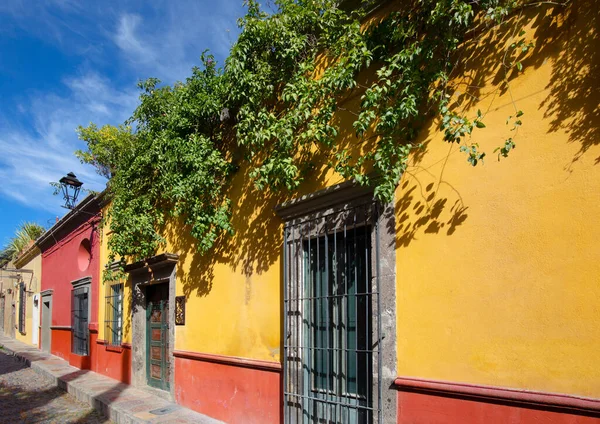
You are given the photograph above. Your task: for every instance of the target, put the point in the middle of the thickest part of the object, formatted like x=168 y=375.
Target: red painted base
x=61 y=343
x=81 y=362
x=114 y=362
x=426 y=402
x=232 y=389
x=93 y=349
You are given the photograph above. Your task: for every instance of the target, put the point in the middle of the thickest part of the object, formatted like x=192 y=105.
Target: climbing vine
x=272 y=107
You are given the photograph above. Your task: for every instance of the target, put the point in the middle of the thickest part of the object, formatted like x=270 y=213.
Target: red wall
x=231 y=393
x=61 y=343
x=420 y=408
x=114 y=362
x=61 y=266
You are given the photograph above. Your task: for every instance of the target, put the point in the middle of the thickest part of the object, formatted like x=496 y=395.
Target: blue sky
x=65 y=63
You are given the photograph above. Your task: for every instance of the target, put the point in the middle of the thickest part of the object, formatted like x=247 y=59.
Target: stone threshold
x=119 y=402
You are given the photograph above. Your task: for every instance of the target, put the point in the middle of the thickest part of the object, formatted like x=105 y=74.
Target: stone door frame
x=156 y=270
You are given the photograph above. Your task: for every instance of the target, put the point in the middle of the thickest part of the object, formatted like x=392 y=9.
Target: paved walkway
x=115 y=400
x=27 y=398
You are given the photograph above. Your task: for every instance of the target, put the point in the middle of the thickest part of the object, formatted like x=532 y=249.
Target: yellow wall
x=32 y=261
x=104 y=290
x=497 y=265
x=234 y=293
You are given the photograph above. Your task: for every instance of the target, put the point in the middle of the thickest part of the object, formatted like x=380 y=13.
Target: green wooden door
x=157 y=336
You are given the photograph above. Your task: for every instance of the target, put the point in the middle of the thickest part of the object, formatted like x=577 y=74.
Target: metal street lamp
x=70 y=186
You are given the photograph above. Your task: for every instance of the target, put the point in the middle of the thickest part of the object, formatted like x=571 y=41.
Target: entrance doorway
x=157 y=336
x=153 y=324
x=35 y=320
x=46 y=322
x=2 y=314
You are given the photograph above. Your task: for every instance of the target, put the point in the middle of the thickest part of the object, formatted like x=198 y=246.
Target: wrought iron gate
x=332 y=357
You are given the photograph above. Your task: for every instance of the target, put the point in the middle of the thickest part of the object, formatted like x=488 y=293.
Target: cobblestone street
x=27 y=397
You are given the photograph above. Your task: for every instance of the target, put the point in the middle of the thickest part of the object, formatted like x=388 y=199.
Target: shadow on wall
x=421 y=209
x=256 y=243
x=574 y=101
x=561 y=35
x=566 y=35
x=253 y=248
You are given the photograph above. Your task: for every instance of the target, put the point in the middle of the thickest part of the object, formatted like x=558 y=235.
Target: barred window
x=22 y=307
x=113 y=321
x=332 y=311
x=79 y=320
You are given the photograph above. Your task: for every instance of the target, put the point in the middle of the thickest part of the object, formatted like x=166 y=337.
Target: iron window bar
x=332 y=358
x=79 y=320
x=113 y=317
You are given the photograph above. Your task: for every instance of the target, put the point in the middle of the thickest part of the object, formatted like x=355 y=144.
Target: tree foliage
x=273 y=104
x=25 y=234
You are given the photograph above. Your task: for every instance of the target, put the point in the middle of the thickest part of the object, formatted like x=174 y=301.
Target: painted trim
x=80 y=282
x=342 y=193
x=60 y=327
x=115 y=265
x=90 y=203
x=113 y=348
x=26 y=256
x=498 y=394
x=229 y=360
x=153 y=262
x=105 y=342
x=47 y=292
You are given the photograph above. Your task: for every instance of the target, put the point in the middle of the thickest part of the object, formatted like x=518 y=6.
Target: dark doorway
x=79 y=321
x=157 y=336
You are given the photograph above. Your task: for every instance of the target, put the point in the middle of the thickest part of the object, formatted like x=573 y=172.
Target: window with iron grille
x=79 y=320
x=332 y=357
x=22 y=307
x=113 y=322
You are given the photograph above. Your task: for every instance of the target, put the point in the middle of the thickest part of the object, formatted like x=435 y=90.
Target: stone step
x=120 y=402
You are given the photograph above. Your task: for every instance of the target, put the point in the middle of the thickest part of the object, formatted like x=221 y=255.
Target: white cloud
x=127 y=40
x=169 y=46
x=30 y=158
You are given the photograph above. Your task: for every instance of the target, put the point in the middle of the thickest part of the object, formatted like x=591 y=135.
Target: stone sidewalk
x=119 y=402
x=27 y=398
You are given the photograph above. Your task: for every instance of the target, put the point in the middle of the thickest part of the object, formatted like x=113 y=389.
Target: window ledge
x=113 y=348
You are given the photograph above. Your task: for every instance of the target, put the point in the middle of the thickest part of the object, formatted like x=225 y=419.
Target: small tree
x=25 y=234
